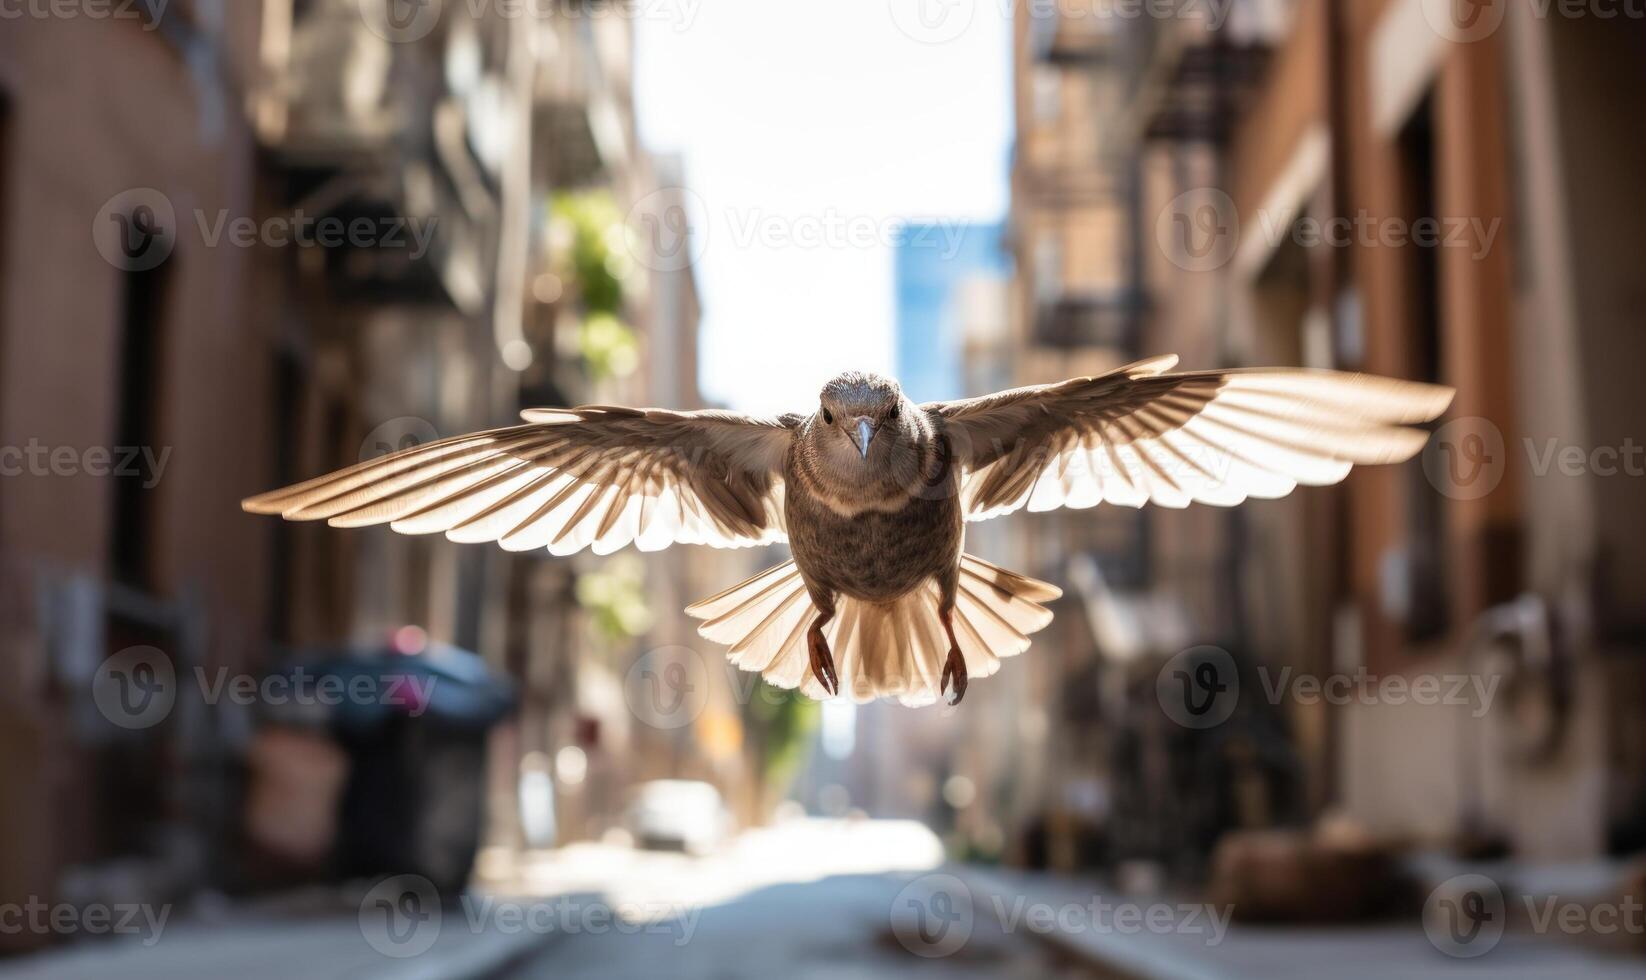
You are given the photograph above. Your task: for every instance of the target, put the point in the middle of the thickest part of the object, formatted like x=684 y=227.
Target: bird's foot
x=823 y=662
x=955 y=670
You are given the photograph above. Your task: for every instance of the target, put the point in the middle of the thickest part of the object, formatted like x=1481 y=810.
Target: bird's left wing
x=568 y=479
x=1139 y=435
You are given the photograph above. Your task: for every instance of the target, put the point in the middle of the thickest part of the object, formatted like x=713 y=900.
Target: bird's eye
x=828 y=417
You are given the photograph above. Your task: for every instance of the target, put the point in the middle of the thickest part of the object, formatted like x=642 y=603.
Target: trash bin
x=413 y=729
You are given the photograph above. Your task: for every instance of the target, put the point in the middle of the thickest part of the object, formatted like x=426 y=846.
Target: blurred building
x=106 y=347
x=256 y=242
x=940 y=269
x=1230 y=189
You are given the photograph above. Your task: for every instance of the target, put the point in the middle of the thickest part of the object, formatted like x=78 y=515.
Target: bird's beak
x=865 y=432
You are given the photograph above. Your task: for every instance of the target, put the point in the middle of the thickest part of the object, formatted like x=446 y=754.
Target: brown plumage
x=872 y=492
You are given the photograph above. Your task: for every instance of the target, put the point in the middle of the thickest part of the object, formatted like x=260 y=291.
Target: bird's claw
x=955 y=670
x=823 y=665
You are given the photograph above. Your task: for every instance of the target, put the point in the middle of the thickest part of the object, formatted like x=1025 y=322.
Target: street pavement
x=811 y=898
x=805 y=898
x=835 y=898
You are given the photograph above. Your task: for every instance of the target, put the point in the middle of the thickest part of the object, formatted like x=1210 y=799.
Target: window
x=1428 y=592
x=5 y=226
x=141 y=364
x=1047 y=85
x=288 y=413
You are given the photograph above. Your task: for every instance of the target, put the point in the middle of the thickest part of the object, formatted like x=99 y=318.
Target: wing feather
x=1140 y=435
x=599 y=476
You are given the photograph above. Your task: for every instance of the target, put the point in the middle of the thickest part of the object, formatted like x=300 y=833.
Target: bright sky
x=809 y=132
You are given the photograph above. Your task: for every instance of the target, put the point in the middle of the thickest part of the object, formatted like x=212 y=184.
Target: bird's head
x=865 y=430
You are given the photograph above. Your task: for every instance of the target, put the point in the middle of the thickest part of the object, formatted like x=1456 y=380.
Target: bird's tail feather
x=893 y=649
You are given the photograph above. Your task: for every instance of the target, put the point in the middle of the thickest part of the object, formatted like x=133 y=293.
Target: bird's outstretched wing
x=569 y=479
x=1139 y=435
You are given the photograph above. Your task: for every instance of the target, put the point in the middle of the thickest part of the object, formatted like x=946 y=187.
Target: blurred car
x=678 y=815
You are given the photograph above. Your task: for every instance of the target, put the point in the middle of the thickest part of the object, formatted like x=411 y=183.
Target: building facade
x=1360 y=186
x=255 y=242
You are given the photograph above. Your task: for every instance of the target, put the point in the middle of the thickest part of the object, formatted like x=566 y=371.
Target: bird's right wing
x=1139 y=435
x=571 y=478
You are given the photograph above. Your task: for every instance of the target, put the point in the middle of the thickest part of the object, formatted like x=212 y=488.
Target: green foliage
x=610 y=349
x=596 y=227
x=615 y=597
x=785 y=721
x=595 y=261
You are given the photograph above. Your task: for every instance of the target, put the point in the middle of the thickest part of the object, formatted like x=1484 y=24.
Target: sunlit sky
x=808 y=132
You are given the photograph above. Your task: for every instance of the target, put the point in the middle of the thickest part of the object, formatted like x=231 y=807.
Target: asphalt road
x=837 y=927
x=811 y=899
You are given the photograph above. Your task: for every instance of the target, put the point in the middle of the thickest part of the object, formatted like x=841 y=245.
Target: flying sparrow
x=872 y=493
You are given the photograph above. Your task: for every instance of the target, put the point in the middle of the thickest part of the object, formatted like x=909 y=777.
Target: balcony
x=578 y=111
x=1185 y=78
x=1075 y=38
x=1110 y=319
